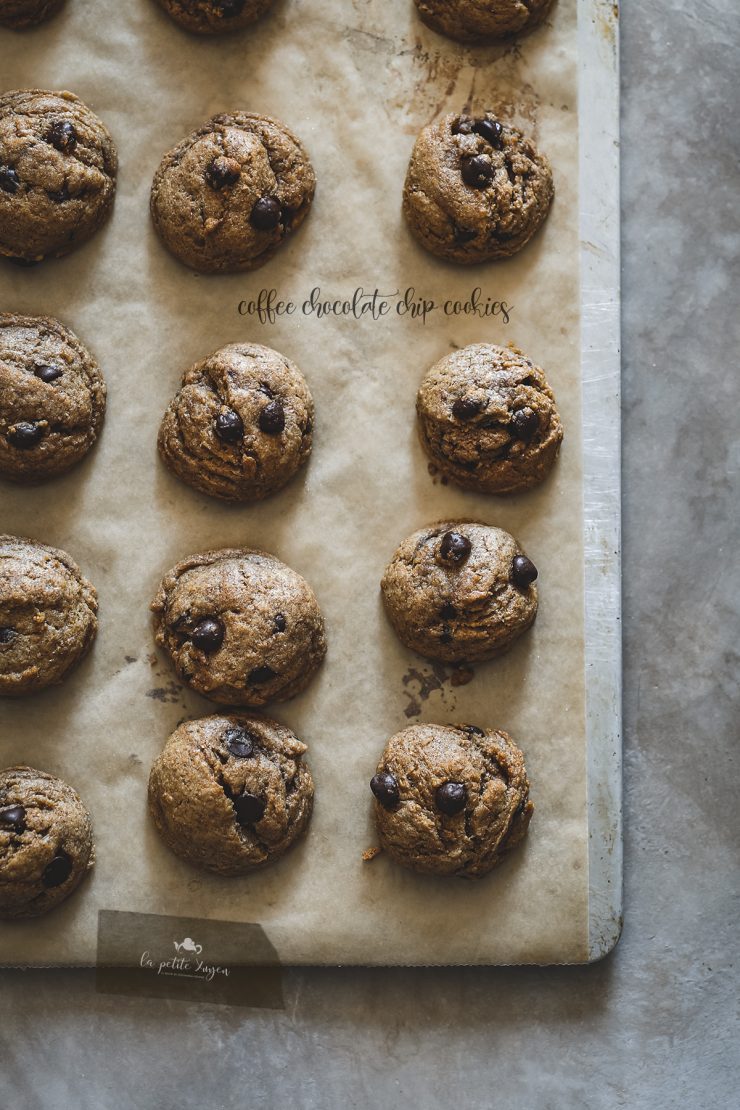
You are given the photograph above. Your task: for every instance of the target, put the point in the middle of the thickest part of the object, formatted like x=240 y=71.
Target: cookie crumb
x=370 y=854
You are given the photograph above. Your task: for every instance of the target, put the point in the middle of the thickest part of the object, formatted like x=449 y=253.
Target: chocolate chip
x=239 y=742
x=490 y=130
x=58 y=871
x=13 y=817
x=385 y=788
x=272 y=418
x=9 y=180
x=476 y=171
x=208 y=635
x=229 y=8
x=260 y=675
x=454 y=548
x=523 y=571
x=474 y=730
x=280 y=623
x=47 y=372
x=465 y=234
x=249 y=808
x=450 y=798
x=465 y=408
x=525 y=424
x=446 y=635
x=266 y=214
x=228 y=426
x=448 y=611
x=463 y=125
x=62 y=135
x=26 y=434
x=7 y=635
x=223 y=172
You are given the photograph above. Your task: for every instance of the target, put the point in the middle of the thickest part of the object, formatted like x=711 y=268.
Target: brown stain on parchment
x=419 y=683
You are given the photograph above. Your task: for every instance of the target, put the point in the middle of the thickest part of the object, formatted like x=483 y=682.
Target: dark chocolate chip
x=229 y=9
x=385 y=788
x=272 y=418
x=525 y=424
x=280 y=622
x=26 y=434
x=13 y=817
x=477 y=171
x=62 y=135
x=448 y=611
x=265 y=215
x=7 y=635
x=208 y=635
x=465 y=408
x=454 y=548
x=475 y=730
x=450 y=798
x=228 y=426
x=47 y=372
x=446 y=635
x=490 y=130
x=463 y=125
x=239 y=742
x=58 y=871
x=223 y=172
x=9 y=180
x=523 y=571
x=260 y=675
x=465 y=234
x=249 y=808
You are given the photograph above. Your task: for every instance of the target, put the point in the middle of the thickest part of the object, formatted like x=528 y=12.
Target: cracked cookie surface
x=228 y=196
x=20 y=14
x=52 y=398
x=460 y=591
x=46 y=842
x=215 y=17
x=239 y=626
x=476 y=189
x=480 y=21
x=451 y=799
x=48 y=615
x=58 y=170
x=240 y=425
x=487 y=419
x=231 y=793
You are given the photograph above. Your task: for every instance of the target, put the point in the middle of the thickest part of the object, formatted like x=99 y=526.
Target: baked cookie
x=58 y=170
x=240 y=425
x=46 y=842
x=214 y=17
x=48 y=616
x=460 y=591
x=19 y=14
x=52 y=398
x=476 y=189
x=229 y=195
x=481 y=21
x=487 y=419
x=451 y=800
x=231 y=793
x=239 y=626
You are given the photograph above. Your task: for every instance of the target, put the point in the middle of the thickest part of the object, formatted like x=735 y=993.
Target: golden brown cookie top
x=482 y=21
x=215 y=17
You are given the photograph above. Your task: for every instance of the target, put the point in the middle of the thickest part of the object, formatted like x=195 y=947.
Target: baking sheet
x=356 y=81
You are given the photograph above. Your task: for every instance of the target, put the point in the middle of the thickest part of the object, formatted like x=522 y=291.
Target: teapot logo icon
x=188 y=945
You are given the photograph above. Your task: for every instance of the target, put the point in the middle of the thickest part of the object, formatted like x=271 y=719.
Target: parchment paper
x=356 y=80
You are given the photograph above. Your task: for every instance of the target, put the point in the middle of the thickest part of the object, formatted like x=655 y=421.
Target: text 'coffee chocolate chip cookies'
x=52 y=398
x=460 y=591
x=481 y=21
x=46 y=842
x=487 y=419
x=239 y=627
x=451 y=800
x=231 y=793
x=215 y=17
x=48 y=616
x=240 y=425
x=476 y=189
x=20 y=14
x=228 y=196
x=58 y=170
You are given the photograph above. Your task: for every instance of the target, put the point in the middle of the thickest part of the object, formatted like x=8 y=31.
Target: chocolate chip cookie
x=239 y=626
x=52 y=398
x=48 y=616
x=481 y=21
x=476 y=189
x=240 y=425
x=46 y=842
x=20 y=14
x=460 y=591
x=451 y=800
x=215 y=17
x=58 y=170
x=487 y=419
x=228 y=196
x=231 y=793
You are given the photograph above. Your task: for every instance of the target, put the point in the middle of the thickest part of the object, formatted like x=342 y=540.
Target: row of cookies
x=468 y=21
x=228 y=196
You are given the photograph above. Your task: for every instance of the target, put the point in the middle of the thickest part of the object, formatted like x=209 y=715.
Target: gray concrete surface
x=654 y=1025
